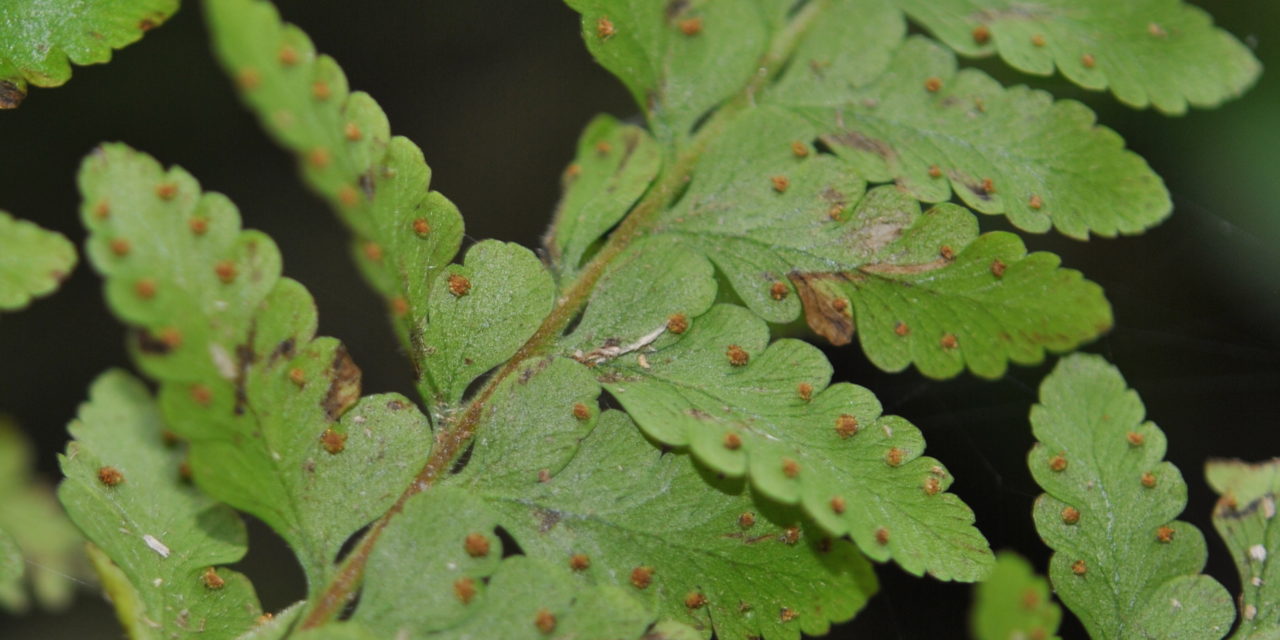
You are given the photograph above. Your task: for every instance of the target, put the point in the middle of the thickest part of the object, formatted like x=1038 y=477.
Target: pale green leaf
x=438 y=572
x=614 y=165
x=745 y=407
x=168 y=541
x=30 y=519
x=274 y=415
x=667 y=531
x=536 y=420
x=1010 y=151
x=1245 y=518
x=378 y=184
x=679 y=58
x=1121 y=562
x=1162 y=53
x=480 y=312
x=33 y=261
x=636 y=297
x=39 y=39
x=11 y=566
x=1013 y=602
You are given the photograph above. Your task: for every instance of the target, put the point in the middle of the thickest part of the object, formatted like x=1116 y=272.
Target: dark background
x=495 y=92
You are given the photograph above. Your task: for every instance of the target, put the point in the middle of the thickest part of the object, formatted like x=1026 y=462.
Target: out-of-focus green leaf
x=1162 y=53
x=33 y=261
x=747 y=407
x=49 y=558
x=935 y=131
x=273 y=414
x=679 y=59
x=1014 y=602
x=1121 y=562
x=378 y=183
x=167 y=540
x=1245 y=518
x=39 y=39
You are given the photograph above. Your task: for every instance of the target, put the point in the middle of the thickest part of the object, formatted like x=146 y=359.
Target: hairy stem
x=453 y=435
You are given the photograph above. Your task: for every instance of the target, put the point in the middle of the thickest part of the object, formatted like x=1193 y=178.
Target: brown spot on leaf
x=799 y=149
x=344 y=385
x=373 y=251
x=1164 y=534
x=787 y=615
x=790 y=468
x=747 y=520
x=949 y=341
x=1135 y=439
x=805 y=390
x=212 y=580
x=464 y=589
x=145 y=288
x=935 y=171
x=677 y=323
x=605 y=28
x=110 y=476
x=1079 y=568
x=838 y=505
x=1058 y=463
x=902 y=329
x=778 y=291
x=846 y=425
x=882 y=536
x=352 y=132
x=933 y=84
x=226 y=271
x=997 y=268
x=201 y=394
x=166 y=190
x=459 y=285
x=120 y=247
x=348 y=196
x=1088 y=61
x=421 y=227
x=695 y=600
x=1070 y=515
x=1035 y=202
x=199 y=225
x=1149 y=480
x=894 y=456
x=732 y=441
x=333 y=441
x=738 y=356
x=947 y=252
x=321 y=90
x=151 y=344
x=780 y=183
x=641 y=577
x=1038 y=40
x=545 y=621
x=981 y=34
x=248 y=78
x=791 y=535
x=691 y=26
x=476 y=545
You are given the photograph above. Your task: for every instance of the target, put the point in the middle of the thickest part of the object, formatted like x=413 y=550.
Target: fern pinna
x=613 y=441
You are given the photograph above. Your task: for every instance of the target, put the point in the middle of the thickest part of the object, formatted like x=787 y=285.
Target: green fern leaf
x=614 y=165
x=33 y=261
x=1161 y=53
x=1245 y=517
x=680 y=59
x=34 y=531
x=1014 y=602
x=166 y=540
x=39 y=40
x=745 y=407
x=480 y=313
x=404 y=233
x=274 y=415
x=934 y=131
x=1121 y=562
x=624 y=514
